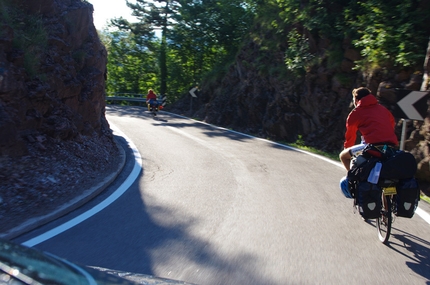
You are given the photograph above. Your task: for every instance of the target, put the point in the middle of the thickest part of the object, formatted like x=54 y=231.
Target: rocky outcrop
x=52 y=73
x=55 y=142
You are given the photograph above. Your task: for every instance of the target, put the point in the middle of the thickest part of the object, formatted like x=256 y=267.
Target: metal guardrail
x=135 y=98
x=132 y=97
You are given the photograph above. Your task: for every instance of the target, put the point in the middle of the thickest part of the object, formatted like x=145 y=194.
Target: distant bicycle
x=154 y=105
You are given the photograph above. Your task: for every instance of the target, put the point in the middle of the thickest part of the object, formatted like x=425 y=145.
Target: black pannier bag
x=408 y=195
x=401 y=165
x=361 y=173
x=369 y=200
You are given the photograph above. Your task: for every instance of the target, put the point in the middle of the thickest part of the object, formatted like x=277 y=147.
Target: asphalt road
x=212 y=206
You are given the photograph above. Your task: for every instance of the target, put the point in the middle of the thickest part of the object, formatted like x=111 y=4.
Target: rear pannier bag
x=408 y=195
x=369 y=200
x=401 y=165
x=361 y=172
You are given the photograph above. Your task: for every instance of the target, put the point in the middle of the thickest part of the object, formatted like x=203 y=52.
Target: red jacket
x=151 y=95
x=372 y=120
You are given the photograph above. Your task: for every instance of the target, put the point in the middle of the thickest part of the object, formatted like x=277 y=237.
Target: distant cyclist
x=374 y=122
x=151 y=99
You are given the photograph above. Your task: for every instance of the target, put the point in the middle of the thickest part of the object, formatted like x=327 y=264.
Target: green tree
x=152 y=15
x=132 y=68
x=195 y=37
x=206 y=37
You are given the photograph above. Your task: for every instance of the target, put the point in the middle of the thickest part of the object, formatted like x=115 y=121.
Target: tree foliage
x=387 y=33
x=200 y=36
x=132 y=68
x=195 y=37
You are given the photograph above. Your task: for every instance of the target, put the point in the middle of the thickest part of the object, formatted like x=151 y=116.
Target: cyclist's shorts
x=356 y=150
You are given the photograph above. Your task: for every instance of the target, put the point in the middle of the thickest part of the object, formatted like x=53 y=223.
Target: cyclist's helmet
x=344 y=187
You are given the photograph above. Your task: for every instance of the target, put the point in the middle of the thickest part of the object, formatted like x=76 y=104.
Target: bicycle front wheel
x=383 y=223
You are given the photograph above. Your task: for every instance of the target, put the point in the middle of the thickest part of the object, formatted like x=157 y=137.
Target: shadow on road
x=419 y=248
x=208 y=130
x=161 y=237
x=137 y=234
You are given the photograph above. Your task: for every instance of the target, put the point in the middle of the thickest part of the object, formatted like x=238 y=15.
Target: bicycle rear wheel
x=383 y=223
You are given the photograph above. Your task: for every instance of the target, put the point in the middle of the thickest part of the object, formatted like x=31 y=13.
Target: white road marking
x=121 y=190
x=424 y=215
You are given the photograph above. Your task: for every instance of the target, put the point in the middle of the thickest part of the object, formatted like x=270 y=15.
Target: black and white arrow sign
x=412 y=105
x=192 y=92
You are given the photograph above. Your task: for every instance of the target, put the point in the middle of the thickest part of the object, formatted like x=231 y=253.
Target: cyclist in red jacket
x=151 y=97
x=372 y=120
x=152 y=102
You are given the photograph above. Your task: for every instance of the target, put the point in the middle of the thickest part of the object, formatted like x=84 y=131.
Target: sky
x=105 y=10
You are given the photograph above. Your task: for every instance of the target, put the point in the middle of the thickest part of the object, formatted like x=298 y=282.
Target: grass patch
x=300 y=144
x=425 y=198
x=332 y=156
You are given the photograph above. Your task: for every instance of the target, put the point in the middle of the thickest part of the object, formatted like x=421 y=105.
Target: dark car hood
x=31 y=266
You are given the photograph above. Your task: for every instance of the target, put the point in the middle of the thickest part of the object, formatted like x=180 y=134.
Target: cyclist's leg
x=346 y=155
x=345 y=158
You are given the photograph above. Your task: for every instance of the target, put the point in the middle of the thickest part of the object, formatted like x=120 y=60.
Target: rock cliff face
x=313 y=107
x=55 y=142
x=52 y=73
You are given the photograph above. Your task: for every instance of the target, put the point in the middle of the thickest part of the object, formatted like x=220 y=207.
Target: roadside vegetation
x=425 y=198
x=175 y=46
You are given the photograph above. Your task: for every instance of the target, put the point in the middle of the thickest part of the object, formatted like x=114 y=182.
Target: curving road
x=213 y=206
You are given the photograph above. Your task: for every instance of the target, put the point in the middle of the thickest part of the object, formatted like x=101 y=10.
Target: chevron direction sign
x=193 y=92
x=412 y=105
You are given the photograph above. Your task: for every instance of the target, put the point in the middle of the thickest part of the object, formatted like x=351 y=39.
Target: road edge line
x=109 y=200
